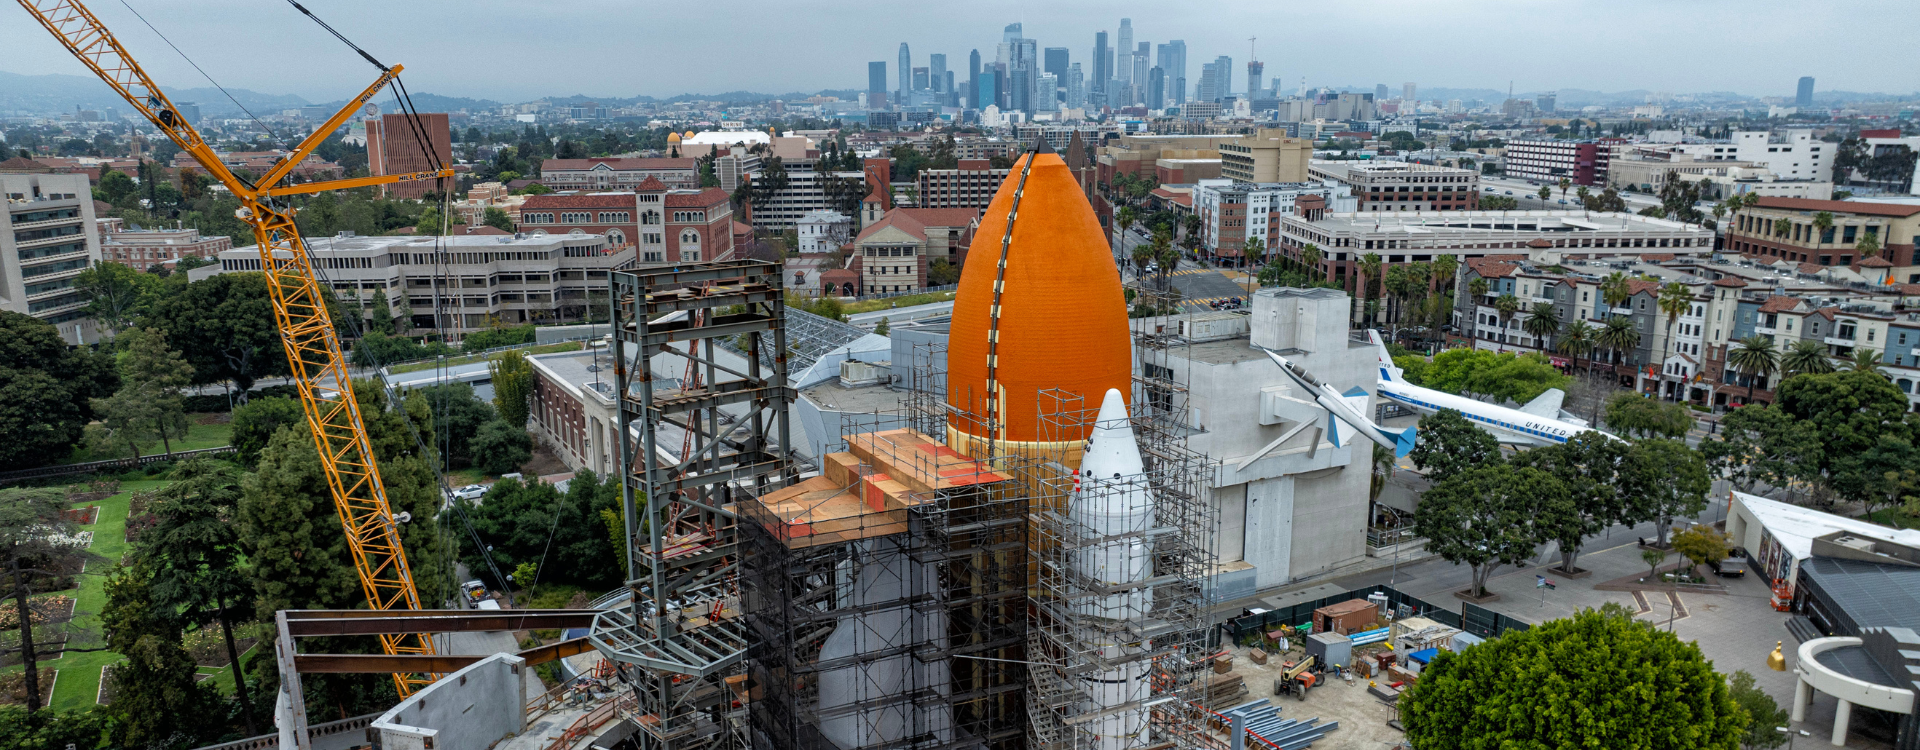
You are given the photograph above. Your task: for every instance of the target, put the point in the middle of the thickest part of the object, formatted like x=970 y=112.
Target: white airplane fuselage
x=1509 y=425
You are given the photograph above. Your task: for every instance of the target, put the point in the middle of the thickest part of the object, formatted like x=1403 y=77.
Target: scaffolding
x=681 y=641
x=1123 y=662
x=884 y=597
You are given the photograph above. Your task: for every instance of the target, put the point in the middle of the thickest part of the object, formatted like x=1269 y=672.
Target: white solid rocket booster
x=1112 y=502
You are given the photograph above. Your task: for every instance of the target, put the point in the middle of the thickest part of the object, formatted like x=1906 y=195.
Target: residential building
x=1785 y=229
x=253 y=162
x=658 y=224
x=893 y=253
x=1401 y=186
x=970 y=185
x=1232 y=211
x=1266 y=156
x=51 y=237
x=475 y=282
x=146 y=248
x=403 y=144
x=618 y=173
x=822 y=231
x=1583 y=162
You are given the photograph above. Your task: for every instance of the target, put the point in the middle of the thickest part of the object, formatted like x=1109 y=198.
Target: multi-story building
x=1266 y=156
x=658 y=224
x=254 y=162
x=1231 y=211
x=474 y=282
x=1795 y=156
x=822 y=231
x=1401 y=186
x=1583 y=162
x=145 y=248
x=403 y=144
x=893 y=254
x=806 y=192
x=617 y=173
x=970 y=185
x=1345 y=239
x=1789 y=229
x=51 y=236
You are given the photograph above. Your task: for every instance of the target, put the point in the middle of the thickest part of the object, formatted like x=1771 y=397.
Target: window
x=650 y=217
x=690 y=237
x=538 y=218
x=575 y=217
x=615 y=217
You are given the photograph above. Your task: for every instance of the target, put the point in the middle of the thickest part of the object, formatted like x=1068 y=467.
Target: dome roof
x=673 y=137
x=1063 y=322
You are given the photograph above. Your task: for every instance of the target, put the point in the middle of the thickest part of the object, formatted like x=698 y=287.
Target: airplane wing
x=1546 y=405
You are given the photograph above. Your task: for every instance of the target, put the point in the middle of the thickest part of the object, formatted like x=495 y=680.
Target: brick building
x=394 y=146
x=894 y=253
x=145 y=248
x=971 y=185
x=610 y=173
x=1583 y=162
x=1756 y=233
x=662 y=225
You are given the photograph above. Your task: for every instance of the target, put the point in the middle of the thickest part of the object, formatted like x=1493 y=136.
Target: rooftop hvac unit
x=854 y=374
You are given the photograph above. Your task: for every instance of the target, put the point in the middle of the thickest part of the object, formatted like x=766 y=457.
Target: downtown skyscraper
x=906 y=74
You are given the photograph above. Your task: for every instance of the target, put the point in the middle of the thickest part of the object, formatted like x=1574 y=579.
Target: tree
x=1541 y=324
x=1506 y=305
x=1619 y=336
x=224 y=325
x=498 y=219
x=1588 y=465
x=1702 y=544
x=1763 y=445
x=154 y=374
x=380 y=318
x=116 y=294
x=563 y=535
x=37 y=545
x=458 y=415
x=513 y=382
x=1563 y=684
x=1663 y=480
x=1823 y=225
x=195 y=557
x=1806 y=357
x=1852 y=411
x=255 y=422
x=1675 y=300
x=1864 y=359
x=882 y=328
x=1763 y=713
x=1485 y=516
x=1545 y=192
x=1449 y=444
x=53 y=730
x=1369 y=276
x=1497 y=377
x=1653 y=558
x=500 y=448
x=1633 y=414
x=1310 y=254
x=157 y=702
x=1578 y=339
x=1477 y=291
x=46 y=391
x=1756 y=358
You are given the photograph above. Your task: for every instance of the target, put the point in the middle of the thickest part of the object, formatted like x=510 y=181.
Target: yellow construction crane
x=299 y=308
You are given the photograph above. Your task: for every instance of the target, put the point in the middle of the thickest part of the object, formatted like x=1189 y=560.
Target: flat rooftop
x=1873 y=595
x=863 y=400
x=1441 y=223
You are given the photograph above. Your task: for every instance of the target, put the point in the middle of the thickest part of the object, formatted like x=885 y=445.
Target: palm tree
x=1822 y=223
x=1546 y=193
x=1369 y=271
x=1564 y=184
x=1757 y=358
x=1310 y=255
x=1582 y=192
x=1506 y=305
x=1864 y=360
x=1253 y=250
x=1675 y=299
x=1578 y=339
x=1477 y=290
x=1615 y=291
x=1807 y=357
x=1398 y=288
x=1541 y=324
x=1125 y=220
x=1868 y=246
x=1618 y=335
x=1443 y=269
x=1142 y=257
x=1782 y=227
x=1166 y=254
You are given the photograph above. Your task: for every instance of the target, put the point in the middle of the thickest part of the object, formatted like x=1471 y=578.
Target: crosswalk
x=1205 y=304
x=1189 y=271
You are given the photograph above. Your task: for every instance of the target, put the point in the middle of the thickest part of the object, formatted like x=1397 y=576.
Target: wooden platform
x=821 y=511
x=921 y=463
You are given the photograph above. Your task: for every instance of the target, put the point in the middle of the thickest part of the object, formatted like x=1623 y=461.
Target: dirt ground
x=1363 y=717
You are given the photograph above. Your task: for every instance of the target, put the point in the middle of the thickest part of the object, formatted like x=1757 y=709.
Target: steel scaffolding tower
x=688 y=453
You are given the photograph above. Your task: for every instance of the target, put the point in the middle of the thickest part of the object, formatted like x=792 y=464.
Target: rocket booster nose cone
x=1111 y=451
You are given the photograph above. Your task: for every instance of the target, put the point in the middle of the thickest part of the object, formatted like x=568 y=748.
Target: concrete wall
x=472 y=708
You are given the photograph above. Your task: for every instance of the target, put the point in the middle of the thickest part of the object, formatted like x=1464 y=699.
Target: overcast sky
x=513 y=51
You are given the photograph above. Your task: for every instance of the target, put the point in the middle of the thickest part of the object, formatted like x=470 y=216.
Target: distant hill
x=65 y=93
x=426 y=102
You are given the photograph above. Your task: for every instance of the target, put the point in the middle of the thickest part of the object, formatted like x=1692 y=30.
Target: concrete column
x=1802 y=697
x=1841 y=714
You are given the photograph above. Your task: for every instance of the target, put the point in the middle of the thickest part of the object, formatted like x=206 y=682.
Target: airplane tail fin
x=1403 y=440
x=1388 y=372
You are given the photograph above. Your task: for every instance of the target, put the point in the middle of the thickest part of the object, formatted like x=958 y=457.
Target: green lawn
x=1894 y=517
x=198 y=436
x=79 y=681
x=467 y=359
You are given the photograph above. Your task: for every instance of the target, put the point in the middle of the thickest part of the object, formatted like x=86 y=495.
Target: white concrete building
x=51 y=237
x=823 y=231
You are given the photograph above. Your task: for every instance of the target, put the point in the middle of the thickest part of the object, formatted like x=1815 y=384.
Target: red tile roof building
x=659 y=225
x=1756 y=232
x=609 y=173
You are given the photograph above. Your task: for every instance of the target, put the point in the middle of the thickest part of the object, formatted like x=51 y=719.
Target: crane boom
x=299 y=308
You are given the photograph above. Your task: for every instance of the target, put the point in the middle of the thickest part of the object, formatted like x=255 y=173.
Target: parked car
x=470 y=492
x=1734 y=566
x=474 y=592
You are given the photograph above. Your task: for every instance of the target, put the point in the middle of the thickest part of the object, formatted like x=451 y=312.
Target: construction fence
x=1473 y=619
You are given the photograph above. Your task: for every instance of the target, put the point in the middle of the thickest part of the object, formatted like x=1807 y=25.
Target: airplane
x=1540 y=422
x=1346 y=414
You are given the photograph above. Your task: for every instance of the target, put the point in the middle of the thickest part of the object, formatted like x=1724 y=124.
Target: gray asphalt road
x=1200 y=286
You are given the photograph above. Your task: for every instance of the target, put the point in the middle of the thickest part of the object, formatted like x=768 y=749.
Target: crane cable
x=203 y=72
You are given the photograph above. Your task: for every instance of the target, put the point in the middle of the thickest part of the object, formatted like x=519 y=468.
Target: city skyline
x=1530 y=42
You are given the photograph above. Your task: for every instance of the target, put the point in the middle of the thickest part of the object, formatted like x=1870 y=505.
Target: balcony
x=1837 y=341
x=1763 y=330
x=54 y=240
x=46 y=223
x=1621 y=310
